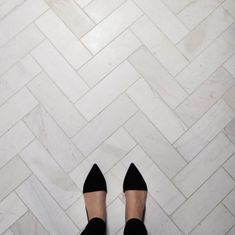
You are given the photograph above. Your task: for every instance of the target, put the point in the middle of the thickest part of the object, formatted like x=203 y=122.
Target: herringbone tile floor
x=114 y=82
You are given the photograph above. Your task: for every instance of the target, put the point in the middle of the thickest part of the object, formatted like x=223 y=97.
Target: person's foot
x=135 y=204
x=95 y=204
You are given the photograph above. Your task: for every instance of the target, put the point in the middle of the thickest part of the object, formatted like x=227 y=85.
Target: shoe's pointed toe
x=134 y=180
x=95 y=181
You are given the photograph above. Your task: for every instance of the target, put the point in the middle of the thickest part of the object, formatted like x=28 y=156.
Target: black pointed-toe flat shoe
x=134 y=180
x=95 y=181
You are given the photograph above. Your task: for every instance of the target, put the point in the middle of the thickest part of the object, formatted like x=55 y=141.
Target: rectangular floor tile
x=63 y=39
x=106 y=156
x=8 y=6
x=66 y=115
x=229 y=97
x=19 y=47
x=157 y=111
x=205 y=64
x=76 y=20
x=15 y=109
x=60 y=71
x=204 y=165
x=17 y=77
x=232 y=231
x=43 y=206
x=105 y=31
x=229 y=202
x=107 y=90
x=83 y=3
x=230 y=166
x=201 y=133
x=155 y=145
x=229 y=131
x=53 y=138
x=99 y=9
x=100 y=128
x=230 y=65
x=28 y=224
x=11 y=175
x=218 y=222
x=197 y=11
x=203 y=201
x=200 y=37
x=205 y=96
x=20 y=18
x=110 y=57
x=153 y=72
x=11 y=209
x=163 y=18
x=229 y=5
x=58 y=184
x=161 y=188
x=160 y=46
x=156 y=220
x=176 y=5
x=13 y=141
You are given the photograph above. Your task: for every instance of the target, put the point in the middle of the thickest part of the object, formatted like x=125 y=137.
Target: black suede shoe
x=95 y=181
x=134 y=180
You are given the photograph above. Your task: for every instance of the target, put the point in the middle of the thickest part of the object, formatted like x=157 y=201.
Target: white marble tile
x=161 y=188
x=17 y=77
x=13 y=141
x=156 y=221
x=200 y=37
x=15 y=109
x=60 y=186
x=111 y=27
x=219 y=221
x=53 y=139
x=229 y=202
x=204 y=165
x=205 y=64
x=28 y=224
x=54 y=101
x=205 y=96
x=8 y=6
x=99 y=9
x=197 y=11
x=229 y=97
x=43 y=206
x=63 y=39
x=11 y=175
x=229 y=5
x=106 y=156
x=229 y=131
x=83 y=3
x=8 y=232
x=107 y=90
x=20 y=18
x=155 y=145
x=110 y=57
x=116 y=215
x=203 y=201
x=203 y=131
x=114 y=180
x=177 y=5
x=60 y=71
x=159 y=45
x=157 y=111
x=163 y=18
x=230 y=166
x=232 y=231
x=11 y=209
x=230 y=65
x=77 y=213
x=19 y=47
x=100 y=128
x=156 y=75
x=75 y=19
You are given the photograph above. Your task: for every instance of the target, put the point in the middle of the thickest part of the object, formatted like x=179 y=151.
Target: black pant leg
x=135 y=227
x=96 y=226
